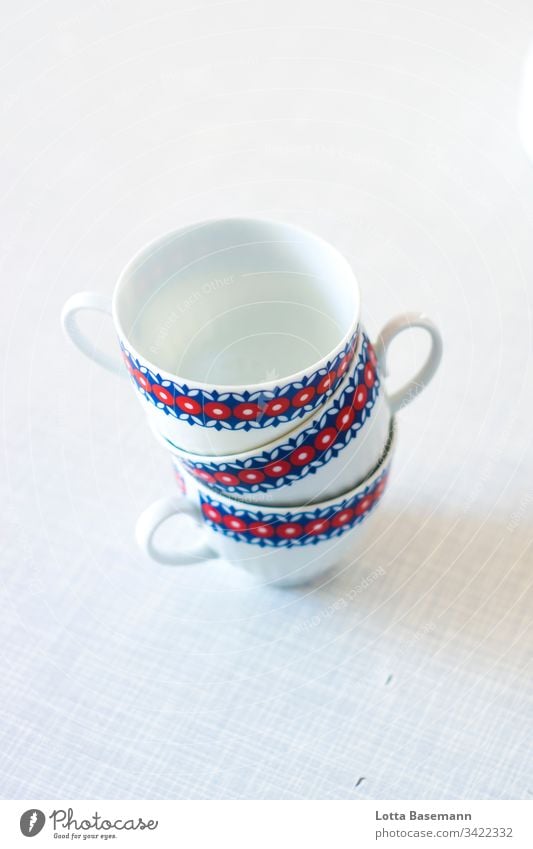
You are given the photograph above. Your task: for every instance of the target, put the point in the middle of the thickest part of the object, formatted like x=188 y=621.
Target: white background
x=388 y=128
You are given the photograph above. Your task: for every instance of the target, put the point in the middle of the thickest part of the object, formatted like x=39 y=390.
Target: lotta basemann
x=415 y=815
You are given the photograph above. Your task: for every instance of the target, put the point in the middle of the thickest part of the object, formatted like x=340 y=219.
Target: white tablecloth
x=389 y=129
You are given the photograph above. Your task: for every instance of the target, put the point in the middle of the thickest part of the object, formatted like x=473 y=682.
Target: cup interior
x=275 y=444
x=237 y=302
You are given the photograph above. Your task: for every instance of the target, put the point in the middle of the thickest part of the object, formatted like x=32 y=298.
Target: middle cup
x=329 y=454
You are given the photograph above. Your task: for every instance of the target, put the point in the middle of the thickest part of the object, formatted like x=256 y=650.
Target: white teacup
x=233 y=330
x=286 y=546
x=327 y=454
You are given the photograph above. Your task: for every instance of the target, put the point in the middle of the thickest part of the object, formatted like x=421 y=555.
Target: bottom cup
x=282 y=545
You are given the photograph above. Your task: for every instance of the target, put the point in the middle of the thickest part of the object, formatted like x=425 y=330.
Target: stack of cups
x=244 y=343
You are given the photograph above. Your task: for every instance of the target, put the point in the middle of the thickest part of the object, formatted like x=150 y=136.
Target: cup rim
x=242 y=456
x=319 y=505
x=265 y=386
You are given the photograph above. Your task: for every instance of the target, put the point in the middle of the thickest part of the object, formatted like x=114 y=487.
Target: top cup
x=232 y=330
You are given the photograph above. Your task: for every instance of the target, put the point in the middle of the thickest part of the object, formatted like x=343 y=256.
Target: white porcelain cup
x=286 y=546
x=331 y=451
x=233 y=330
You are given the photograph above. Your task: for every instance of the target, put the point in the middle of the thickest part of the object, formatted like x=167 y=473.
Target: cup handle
x=154 y=516
x=89 y=301
x=414 y=386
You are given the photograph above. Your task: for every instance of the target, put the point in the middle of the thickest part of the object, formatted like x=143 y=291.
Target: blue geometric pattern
x=240 y=411
x=294 y=527
x=298 y=456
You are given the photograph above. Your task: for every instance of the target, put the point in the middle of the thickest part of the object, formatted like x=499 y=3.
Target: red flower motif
x=251 y=476
x=360 y=397
x=326 y=383
x=277 y=406
x=378 y=491
x=162 y=394
x=226 y=479
x=127 y=362
x=234 y=523
x=342 y=518
x=302 y=455
x=345 y=418
x=372 y=355
x=343 y=365
x=188 y=405
x=277 y=469
x=261 y=529
x=216 y=410
x=325 y=438
x=317 y=526
x=247 y=411
x=289 y=530
x=180 y=482
x=370 y=375
x=303 y=396
x=363 y=505
x=202 y=474
x=142 y=380
x=211 y=513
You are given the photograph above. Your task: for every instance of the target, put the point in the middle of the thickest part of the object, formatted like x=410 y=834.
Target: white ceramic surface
x=329 y=453
x=285 y=546
x=525 y=108
x=228 y=328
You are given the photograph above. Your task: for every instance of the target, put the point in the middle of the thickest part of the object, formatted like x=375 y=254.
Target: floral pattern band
x=309 y=527
x=304 y=454
x=243 y=411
